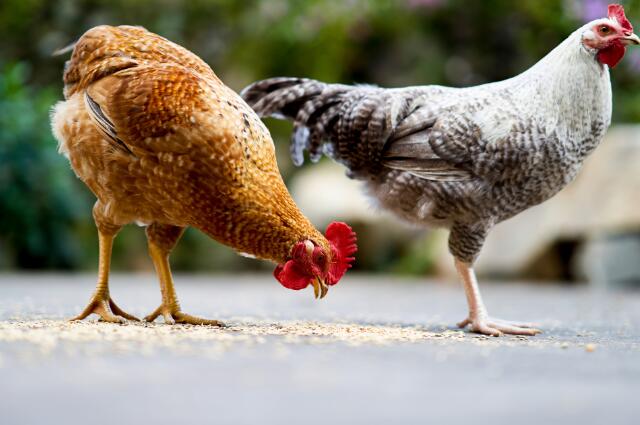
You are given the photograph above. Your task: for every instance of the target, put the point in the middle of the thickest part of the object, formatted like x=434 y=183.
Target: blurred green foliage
x=36 y=204
x=45 y=218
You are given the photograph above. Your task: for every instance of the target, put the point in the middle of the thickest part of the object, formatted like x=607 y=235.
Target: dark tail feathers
x=348 y=123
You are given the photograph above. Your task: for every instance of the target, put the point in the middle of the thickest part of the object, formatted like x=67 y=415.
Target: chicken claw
x=478 y=317
x=106 y=309
x=170 y=306
x=101 y=302
x=498 y=327
x=173 y=316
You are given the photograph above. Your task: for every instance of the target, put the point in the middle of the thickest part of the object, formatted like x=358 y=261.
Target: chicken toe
x=498 y=327
x=173 y=316
x=106 y=308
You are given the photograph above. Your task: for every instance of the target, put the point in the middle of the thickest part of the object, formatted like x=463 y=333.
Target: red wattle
x=611 y=55
x=291 y=276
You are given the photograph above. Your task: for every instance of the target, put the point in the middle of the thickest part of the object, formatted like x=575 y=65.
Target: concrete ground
x=375 y=351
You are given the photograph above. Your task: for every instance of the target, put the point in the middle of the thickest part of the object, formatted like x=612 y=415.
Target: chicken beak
x=630 y=39
x=320 y=289
x=324 y=289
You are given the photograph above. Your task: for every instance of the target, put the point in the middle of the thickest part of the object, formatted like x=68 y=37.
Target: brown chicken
x=161 y=141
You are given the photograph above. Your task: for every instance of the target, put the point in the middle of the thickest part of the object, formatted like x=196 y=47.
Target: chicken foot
x=101 y=302
x=161 y=240
x=478 y=317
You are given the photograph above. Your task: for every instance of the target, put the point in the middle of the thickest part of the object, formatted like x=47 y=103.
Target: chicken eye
x=604 y=29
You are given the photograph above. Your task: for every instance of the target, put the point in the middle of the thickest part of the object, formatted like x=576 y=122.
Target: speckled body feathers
x=464 y=159
x=159 y=139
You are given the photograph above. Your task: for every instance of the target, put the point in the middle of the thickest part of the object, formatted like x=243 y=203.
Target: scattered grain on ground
x=94 y=337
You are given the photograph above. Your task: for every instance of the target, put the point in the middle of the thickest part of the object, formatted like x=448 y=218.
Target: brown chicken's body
x=160 y=140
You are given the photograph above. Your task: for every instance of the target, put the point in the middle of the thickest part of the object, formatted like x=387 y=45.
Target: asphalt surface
x=375 y=351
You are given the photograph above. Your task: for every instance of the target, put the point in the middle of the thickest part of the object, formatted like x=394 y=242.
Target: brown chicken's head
x=311 y=264
x=608 y=37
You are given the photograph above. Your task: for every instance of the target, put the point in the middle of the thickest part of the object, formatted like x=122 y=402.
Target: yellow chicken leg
x=161 y=239
x=101 y=303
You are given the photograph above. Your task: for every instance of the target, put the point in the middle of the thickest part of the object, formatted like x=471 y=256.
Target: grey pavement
x=377 y=350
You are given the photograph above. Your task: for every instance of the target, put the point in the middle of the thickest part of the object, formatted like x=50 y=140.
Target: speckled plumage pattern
x=162 y=142
x=464 y=159
x=159 y=139
x=468 y=158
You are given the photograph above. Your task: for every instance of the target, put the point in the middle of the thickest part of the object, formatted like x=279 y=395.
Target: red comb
x=343 y=245
x=616 y=11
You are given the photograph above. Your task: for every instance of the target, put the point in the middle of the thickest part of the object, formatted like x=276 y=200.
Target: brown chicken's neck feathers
x=265 y=233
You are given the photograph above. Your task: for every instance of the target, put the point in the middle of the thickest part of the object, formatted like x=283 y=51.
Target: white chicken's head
x=607 y=38
x=312 y=264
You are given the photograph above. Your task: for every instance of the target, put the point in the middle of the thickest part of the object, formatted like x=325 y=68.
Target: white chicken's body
x=565 y=99
x=463 y=158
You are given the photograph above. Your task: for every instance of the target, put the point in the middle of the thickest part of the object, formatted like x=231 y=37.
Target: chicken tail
x=347 y=123
x=64 y=50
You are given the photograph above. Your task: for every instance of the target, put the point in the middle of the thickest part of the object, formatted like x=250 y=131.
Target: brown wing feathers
x=104 y=124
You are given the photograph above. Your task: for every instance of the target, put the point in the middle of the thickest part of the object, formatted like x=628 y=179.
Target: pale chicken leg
x=478 y=317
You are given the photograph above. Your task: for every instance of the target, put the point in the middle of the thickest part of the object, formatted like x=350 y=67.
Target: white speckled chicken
x=160 y=140
x=463 y=158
